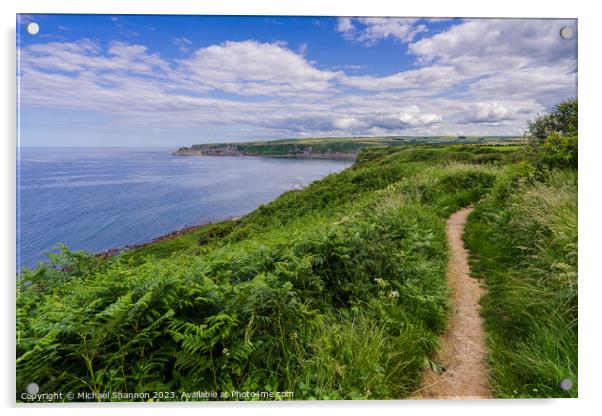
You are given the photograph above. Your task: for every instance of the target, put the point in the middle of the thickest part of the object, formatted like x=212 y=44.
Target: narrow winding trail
x=462 y=352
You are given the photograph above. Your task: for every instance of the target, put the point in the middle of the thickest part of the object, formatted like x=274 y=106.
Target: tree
x=563 y=121
x=553 y=137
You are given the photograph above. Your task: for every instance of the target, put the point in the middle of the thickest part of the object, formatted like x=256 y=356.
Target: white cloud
x=87 y=55
x=458 y=86
x=532 y=40
x=547 y=84
x=432 y=78
x=386 y=119
x=415 y=120
x=518 y=58
x=370 y=30
x=345 y=25
x=378 y=28
x=347 y=123
x=302 y=49
x=183 y=44
x=253 y=68
x=491 y=112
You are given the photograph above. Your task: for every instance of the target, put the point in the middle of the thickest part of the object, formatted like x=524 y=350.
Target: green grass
x=335 y=291
x=523 y=242
x=192 y=243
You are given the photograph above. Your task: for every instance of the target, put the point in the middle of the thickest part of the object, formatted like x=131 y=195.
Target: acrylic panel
x=295 y=208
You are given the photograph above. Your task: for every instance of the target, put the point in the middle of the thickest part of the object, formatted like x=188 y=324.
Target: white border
x=589 y=199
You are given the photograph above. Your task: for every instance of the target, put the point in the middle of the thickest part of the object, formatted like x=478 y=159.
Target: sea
x=95 y=199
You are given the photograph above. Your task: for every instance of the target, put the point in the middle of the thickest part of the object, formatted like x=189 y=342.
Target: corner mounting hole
x=566 y=384
x=33 y=28
x=566 y=32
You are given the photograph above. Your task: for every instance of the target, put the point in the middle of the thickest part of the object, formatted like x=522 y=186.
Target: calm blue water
x=97 y=198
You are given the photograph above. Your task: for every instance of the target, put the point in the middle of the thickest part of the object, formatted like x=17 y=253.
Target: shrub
x=558 y=152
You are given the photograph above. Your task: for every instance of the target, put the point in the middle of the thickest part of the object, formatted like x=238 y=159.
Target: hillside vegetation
x=523 y=242
x=335 y=291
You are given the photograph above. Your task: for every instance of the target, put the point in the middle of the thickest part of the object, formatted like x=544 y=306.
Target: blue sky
x=127 y=80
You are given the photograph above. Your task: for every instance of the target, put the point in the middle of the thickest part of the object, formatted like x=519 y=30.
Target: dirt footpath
x=462 y=351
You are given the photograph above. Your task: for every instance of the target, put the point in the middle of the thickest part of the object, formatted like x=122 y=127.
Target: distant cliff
x=327 y=148
x=283 y=150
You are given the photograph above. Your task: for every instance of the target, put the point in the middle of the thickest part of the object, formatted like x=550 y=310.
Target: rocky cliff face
x=230 y=150
x=209 y=151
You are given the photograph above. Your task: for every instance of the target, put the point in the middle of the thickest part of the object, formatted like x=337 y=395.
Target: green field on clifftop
x=342 y=145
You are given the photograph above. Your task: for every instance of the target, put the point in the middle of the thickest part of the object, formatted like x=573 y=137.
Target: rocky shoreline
x=165 y=237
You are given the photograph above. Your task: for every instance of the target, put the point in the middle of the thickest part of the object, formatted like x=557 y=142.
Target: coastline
x=237 y=153
x=111 y=252
x=146 y=170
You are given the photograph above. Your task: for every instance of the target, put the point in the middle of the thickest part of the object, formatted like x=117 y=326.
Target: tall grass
x=523 y=242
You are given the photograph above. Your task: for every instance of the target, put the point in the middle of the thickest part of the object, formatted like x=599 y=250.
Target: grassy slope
x=523 y=242
x=334 y=291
